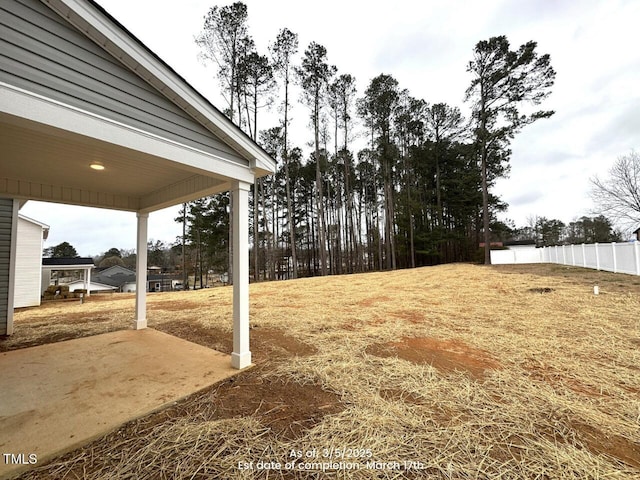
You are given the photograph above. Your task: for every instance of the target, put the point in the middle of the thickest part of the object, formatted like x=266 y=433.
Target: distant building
x=67 y=264
x=637 y=234
x=31 y=236
x=491 y=245
x=124 y=280
x=516 y=244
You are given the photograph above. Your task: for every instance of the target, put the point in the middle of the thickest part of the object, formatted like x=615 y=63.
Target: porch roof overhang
x=48 y=146
x=48 y=149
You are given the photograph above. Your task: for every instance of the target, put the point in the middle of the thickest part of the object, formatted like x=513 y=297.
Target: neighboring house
x=492 y=245
x=90 y=116
x=28 y=278
x=118 y=277
x=519 y=244
x=637 y=234
x=67 y=264
x=124 y=280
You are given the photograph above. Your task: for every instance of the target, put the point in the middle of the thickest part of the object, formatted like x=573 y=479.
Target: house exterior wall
x=42 y=53
x=45 y=280
x=28 y=264
x=6 y=218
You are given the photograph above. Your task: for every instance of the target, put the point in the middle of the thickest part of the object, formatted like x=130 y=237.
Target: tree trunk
x=256 y=233
x=485 y=210
x=485 y=183
x=292 y=229
x=319 y=195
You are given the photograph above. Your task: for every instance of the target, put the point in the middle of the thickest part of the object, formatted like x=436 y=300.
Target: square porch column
x=140 y=321
x=241 y=356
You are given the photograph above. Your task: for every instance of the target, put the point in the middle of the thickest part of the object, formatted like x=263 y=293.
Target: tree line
x=390 y=181
x=547 y=232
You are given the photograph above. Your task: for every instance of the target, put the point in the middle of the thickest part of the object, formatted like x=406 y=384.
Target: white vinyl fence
x=612 y=257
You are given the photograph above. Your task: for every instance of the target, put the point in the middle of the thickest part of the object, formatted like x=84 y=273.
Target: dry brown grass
x=466 y=369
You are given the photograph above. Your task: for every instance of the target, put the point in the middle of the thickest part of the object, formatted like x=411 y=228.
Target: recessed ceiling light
x=97 y=166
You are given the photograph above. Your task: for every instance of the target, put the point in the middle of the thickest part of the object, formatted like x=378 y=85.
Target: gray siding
x=6 y=213
x=42 y=53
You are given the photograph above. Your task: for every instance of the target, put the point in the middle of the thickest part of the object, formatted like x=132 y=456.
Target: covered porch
x=101 y=121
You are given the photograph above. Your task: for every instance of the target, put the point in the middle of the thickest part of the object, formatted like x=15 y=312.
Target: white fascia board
x=24 y=104
x=122 y=46
x=35 y=222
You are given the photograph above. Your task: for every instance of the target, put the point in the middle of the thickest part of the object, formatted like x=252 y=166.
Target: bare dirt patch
x=287 y=408
x=409 y=315
x=445 y=355
x=614 y=445
x=369 y=302
x=265 y=342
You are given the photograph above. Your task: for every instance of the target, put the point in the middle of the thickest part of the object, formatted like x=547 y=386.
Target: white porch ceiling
x=40 y=162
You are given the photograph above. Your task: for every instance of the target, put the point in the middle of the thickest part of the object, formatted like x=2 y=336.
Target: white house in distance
x=28 y=278
x=90 y=116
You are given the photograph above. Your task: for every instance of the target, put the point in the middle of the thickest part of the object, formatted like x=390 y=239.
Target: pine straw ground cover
x=462 y=371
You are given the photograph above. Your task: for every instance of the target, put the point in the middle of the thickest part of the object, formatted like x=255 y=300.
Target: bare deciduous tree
x=618 y=195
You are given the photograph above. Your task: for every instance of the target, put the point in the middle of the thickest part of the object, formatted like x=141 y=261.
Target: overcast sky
x=426 y=46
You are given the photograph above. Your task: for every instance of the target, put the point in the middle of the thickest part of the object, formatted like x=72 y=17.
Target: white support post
x=584 y=256
x=573 y=256
x=88 y=287
x=636 y=255
x=597 y=256
x=615 y=263
x=241 y=356
x=564 y=256
x=140 y=321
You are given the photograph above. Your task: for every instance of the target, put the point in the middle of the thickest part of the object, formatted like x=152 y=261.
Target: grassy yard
x=456 y=371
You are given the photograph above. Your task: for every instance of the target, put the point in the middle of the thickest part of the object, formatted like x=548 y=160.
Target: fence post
x=597 y=257
x=564 y=256
x=584 y=256
x=636 y=255
x=573 y=256
x=615 y=263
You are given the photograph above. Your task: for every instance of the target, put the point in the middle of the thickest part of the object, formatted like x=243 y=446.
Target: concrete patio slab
x=56 y=397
